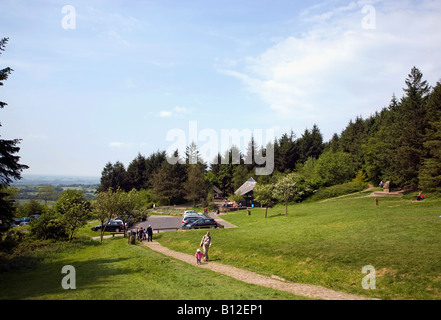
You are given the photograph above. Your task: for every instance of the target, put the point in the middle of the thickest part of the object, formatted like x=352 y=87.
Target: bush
x=49 y=226
x=11 y=240
x=334 y=168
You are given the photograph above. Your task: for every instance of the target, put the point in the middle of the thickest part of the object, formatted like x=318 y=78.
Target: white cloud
x=181 y=110
x=337 y=69
x=176 y=111
x=36 y=137
x=117 y=144
x=164 y=114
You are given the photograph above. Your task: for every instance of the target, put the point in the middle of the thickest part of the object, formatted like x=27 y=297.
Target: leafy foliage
x=74 y=209
x=10 y=168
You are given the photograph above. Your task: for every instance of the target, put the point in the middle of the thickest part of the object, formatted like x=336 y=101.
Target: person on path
x=206 y=244
x=149 y=234
x=198 y=256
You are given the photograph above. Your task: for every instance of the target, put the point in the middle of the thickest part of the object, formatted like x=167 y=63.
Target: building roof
x=247 y=187
x=216 y=189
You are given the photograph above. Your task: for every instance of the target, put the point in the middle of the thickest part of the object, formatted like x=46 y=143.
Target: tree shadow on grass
x=46 y=279
x=276 y=215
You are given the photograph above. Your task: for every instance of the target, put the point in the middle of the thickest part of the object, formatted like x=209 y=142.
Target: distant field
x=328 y=244
x=28 y=192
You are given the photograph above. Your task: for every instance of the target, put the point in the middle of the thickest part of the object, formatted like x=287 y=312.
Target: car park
x=201 y=223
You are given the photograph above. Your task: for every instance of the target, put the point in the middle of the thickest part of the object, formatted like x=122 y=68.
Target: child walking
x=198 y=256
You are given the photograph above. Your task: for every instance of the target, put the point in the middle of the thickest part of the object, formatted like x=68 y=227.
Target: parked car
x=192 y=213
x=128 y=223
x=201 y=223
x=111 y=226
x=24 y=221
x=186 y=220
x=15 y=223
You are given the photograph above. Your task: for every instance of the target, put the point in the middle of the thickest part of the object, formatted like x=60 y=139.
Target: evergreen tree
x=310 y=144
x=226 y=168
x=286 y=153
x=430 y=173
x=381 y=144
x=410 y=126
x=194 y=187
x=333 y=144
x=240 y=175
x=136 y=173
x=250 y=155
x=10 y=168
x=168 y=182
x=215 y=164
x=152 y=164
x=114 y=176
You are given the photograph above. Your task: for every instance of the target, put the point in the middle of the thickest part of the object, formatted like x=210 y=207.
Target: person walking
x=149 y=234
x=206 y=244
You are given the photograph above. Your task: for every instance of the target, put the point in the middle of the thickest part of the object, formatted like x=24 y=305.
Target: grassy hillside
x=324 y=243
x=328 y=244
x=116 y=270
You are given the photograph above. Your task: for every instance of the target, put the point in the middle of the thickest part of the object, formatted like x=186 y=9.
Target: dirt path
x=310 y=291
x=371 y=187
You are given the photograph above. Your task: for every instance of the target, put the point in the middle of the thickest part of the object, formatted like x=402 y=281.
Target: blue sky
x=131 y=71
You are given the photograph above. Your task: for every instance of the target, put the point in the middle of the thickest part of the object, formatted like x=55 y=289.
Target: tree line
x=400 y=143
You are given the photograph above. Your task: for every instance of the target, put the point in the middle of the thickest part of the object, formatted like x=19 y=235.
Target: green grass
x=318 y=243
x=116 y=270
x=329 y=243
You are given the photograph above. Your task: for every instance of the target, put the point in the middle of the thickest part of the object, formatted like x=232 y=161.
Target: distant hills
x=55 y=180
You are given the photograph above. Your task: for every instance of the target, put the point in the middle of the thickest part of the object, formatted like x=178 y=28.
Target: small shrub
x=49 y=226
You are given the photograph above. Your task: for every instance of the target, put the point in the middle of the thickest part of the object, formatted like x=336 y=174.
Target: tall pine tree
x=195 y=187
x=10 y=168
x=430 y=172
x=168 y=182
x=410 y=127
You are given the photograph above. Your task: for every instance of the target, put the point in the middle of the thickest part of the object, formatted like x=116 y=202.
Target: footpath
x=306 y=290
